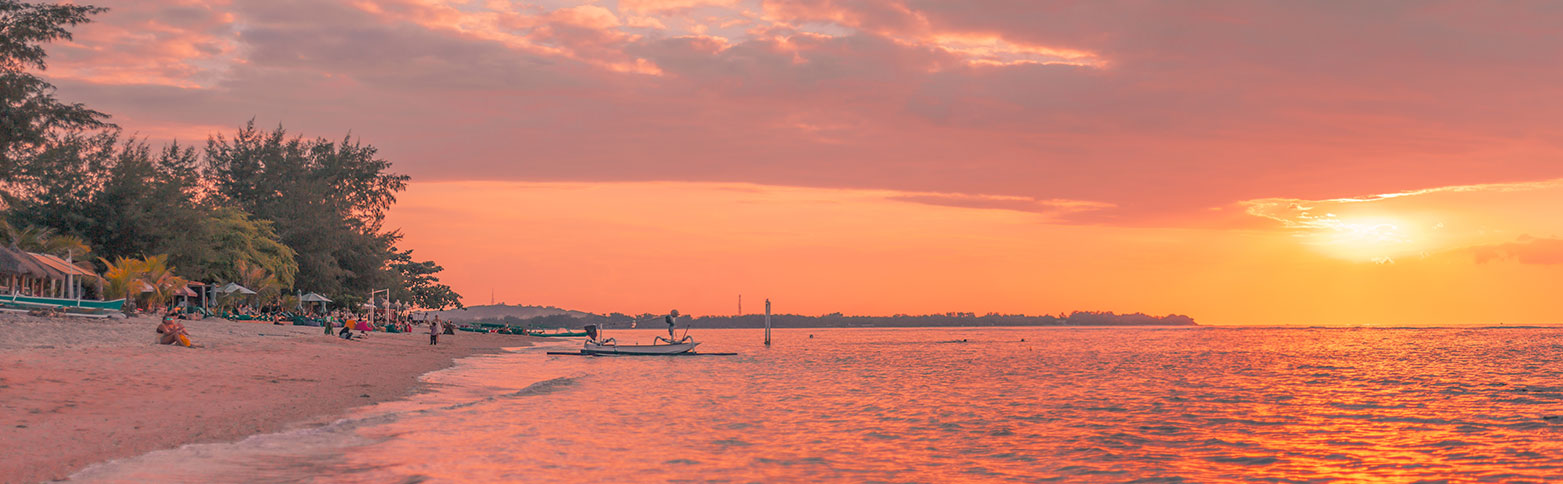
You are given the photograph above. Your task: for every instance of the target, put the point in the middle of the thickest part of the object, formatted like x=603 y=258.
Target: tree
x=31 y=115
x=31 y=238
x=67 y=246
x=327 y=201
x=120 y=278
x=158 y=275
x=418 y=283
x=121 y=198
x=266 y=285
x=127 y=278
x=234 y=244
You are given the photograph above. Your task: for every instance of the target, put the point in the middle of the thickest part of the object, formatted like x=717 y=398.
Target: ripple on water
x=916 y=405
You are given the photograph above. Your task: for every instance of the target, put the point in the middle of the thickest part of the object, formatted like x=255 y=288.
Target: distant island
x=552 y=317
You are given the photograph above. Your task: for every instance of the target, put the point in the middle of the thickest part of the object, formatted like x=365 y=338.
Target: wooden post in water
x=767 y=322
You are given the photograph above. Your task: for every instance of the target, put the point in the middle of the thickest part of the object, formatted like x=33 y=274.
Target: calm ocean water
x=946 y=405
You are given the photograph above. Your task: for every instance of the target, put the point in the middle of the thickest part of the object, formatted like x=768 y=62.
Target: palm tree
x=121 y=277
x=68 y=246
x=265 y=285
x=156 y=272
x=31 y=238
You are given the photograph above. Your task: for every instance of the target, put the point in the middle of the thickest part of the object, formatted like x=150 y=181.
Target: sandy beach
x=74 y=392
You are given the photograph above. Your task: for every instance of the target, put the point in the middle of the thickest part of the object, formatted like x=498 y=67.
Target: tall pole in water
x=767 y=322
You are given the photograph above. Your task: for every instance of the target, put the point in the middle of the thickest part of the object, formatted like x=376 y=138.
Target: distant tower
x=767 y=321
x=740 y=304
x=491 y=296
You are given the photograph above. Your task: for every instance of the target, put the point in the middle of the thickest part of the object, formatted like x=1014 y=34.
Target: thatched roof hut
x=17 y=262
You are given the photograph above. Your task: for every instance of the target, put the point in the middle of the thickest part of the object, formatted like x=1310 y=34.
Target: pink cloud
x=1161 y=110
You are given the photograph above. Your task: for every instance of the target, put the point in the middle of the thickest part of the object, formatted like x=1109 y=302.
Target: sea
x=1071 y=404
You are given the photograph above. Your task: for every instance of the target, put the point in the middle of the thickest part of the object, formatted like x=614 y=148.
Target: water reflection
x=1194 y=404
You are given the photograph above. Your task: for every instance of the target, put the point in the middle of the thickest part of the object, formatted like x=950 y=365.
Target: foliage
x=31 y=238
x=67 y=246
x=307 y=213
x=120 y=278
x=156 y=272
x=267 y=286
x=238 y=246
x=120 y=197
x=125 y=276
x=31 y=115
x=419 y=285
x=327 y=199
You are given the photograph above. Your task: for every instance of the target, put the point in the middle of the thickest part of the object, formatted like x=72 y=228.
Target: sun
x=1375 y=238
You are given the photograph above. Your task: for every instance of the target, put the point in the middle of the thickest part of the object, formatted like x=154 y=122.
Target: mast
x=767 y=322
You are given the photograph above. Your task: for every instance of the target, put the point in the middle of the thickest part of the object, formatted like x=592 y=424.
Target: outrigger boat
x=596 y=345
x=561 y=333
x=67 y=304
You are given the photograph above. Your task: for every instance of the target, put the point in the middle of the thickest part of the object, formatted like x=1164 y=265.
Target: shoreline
x=77 y=392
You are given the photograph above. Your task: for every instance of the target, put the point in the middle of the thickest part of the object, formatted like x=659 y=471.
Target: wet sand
x=74 y=391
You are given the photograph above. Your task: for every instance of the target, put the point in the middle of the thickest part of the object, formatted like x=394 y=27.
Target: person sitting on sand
x=347 y=332
x=172 y=332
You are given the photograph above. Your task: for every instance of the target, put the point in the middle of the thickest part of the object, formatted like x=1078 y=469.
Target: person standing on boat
x=670 y=318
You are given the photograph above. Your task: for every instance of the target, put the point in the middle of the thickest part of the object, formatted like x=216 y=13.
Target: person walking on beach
x=434 y=331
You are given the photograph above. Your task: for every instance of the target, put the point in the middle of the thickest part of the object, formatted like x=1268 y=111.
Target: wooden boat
x=594 y=348
x=52 y=302
x=557 y=334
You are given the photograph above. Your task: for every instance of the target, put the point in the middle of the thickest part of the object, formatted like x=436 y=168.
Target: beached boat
x=595 y=348
x=52 y=302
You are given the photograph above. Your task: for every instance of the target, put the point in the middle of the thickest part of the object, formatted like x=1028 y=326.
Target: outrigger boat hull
x=672 y=349
x=556 y=335
x=51 y=302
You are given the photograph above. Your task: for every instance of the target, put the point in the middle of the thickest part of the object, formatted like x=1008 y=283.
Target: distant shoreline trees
x=306 y=213
x=839 y=320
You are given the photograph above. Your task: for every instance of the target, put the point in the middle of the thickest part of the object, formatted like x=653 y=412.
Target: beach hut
x=20 y=271
x=65 y=279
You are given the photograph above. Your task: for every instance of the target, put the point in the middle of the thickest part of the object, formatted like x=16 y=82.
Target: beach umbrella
x=234 y=287
x=312 y=297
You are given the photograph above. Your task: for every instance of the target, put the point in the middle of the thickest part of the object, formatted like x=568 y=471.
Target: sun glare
x=1364 y=238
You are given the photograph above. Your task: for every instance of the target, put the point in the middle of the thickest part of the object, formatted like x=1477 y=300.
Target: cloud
x=1525 y=250
x=1321 y=214
x=1161 y=110
x=655 y=6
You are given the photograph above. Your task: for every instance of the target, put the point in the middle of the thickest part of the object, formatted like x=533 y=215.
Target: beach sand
x=75 y=391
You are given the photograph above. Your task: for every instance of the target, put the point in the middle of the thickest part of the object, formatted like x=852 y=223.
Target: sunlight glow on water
x=919 y=405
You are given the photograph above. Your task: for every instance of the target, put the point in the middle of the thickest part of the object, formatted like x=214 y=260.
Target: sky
x=1240 y=162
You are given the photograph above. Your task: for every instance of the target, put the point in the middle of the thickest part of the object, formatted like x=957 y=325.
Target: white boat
x=595 y=348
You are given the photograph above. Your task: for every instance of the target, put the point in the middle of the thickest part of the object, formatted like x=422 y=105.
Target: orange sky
x=1235 y=161
x=1442 y=257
